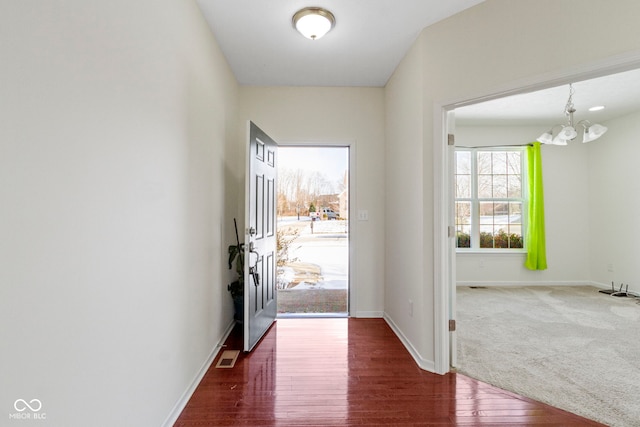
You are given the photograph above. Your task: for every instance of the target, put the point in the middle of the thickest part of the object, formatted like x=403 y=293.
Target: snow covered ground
x=327 y=246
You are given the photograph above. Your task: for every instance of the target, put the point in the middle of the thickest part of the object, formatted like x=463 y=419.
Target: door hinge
x=451 y=139
x=451 y=231
x=452 y=325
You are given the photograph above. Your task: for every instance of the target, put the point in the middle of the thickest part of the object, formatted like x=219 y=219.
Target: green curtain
x=535 y=239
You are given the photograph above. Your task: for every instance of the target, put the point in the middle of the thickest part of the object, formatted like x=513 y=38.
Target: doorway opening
x=445 y=258
x=313 y=231
x=446 y=354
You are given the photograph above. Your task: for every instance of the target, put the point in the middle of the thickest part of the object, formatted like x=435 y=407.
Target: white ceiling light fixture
x=313 y=22
x=569 y=132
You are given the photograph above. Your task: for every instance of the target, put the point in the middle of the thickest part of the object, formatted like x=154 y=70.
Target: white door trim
x=443 y=279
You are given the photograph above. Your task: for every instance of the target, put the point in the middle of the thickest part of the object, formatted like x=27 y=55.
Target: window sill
x=492 y=252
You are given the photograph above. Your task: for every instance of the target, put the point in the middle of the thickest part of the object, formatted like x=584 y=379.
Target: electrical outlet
x=610 y=268
x=410 y=308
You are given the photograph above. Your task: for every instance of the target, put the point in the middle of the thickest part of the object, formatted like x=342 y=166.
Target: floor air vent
x=228 y=359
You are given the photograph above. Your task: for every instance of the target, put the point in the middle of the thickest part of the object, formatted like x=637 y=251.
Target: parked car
x=327 y=213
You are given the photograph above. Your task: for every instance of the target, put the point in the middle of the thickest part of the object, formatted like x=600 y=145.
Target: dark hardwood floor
x=350 y=372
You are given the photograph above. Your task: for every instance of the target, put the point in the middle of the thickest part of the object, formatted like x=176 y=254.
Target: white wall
x=614 y=204
x=566 y=214
x=352 y=115
x=113 y=184
x=404 y=265
x=489 y=48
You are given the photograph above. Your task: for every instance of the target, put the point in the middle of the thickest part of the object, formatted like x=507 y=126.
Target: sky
x=331 y=161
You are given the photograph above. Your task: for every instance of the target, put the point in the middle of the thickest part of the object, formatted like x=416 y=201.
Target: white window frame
x=475 y=200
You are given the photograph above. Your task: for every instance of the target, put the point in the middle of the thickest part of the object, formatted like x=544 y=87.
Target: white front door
x=260 y=306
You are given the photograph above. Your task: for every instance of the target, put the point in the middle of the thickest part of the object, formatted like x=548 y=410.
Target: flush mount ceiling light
x=313 y=22
x=569 y=131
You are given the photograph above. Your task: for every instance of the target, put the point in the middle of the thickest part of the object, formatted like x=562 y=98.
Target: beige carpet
x=571 y=347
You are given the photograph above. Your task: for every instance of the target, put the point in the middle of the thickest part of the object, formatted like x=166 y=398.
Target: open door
x=260 y=306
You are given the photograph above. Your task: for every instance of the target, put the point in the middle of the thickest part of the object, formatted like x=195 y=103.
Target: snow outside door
x=260 y=305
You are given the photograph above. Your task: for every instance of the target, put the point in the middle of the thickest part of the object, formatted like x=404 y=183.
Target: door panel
x=260 y=279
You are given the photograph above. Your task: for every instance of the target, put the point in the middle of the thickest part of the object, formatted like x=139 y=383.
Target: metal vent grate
x=228 y=359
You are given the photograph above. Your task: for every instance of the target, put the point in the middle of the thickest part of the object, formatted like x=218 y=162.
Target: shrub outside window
x=489 y=198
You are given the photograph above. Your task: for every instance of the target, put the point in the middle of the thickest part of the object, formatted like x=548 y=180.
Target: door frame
x=351 y=146
x=444 y=256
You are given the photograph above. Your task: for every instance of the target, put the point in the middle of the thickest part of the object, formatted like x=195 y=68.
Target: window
x=490 y=201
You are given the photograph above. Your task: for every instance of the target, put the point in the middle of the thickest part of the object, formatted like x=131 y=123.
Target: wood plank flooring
x=350 y=372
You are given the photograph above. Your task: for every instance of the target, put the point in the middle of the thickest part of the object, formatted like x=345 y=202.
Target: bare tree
x=298 y=188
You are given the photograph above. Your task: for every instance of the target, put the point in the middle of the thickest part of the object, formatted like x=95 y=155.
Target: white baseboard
x=526 y=283
x=184 y=399
x=600 y=285
x=427 y=365
x=635 y=292
x=369 y=314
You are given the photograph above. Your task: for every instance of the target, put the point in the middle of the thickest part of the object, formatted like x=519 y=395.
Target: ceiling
x=368 y=42
x=618 y=93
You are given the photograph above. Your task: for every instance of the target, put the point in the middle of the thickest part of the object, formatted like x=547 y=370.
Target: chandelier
x=569 y=131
